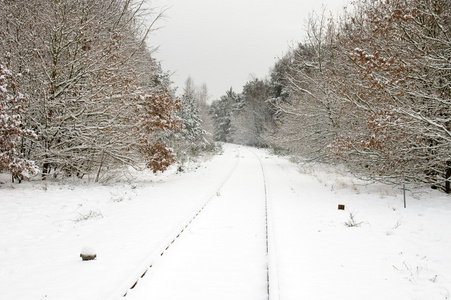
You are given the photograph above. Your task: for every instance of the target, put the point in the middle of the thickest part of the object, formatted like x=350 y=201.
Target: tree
x=192 y=131
x=253 y=121
x=202 y=98
x=88 y=74
x=222 y=112
x=154 y=117
x=307 y=115
x=190 y=138
x=11 y=128
x=394 y=79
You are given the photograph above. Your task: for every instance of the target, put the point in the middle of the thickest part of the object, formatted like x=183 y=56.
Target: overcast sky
x=223 y=43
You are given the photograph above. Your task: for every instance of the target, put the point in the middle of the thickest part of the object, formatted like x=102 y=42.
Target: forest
x=81 y=93
x=368 y=89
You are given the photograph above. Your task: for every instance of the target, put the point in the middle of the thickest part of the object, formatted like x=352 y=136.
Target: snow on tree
x=190 y=138
x=222 y=112
x=156 y=115
x=306 y=119
x=370 y=89
x=252 y=122
x=202 y=98
x=11 y=128
x=192 y=130
x=246 y=118
x=395 y=84
x=86 y=71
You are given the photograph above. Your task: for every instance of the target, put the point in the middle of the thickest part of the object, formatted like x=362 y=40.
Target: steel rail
x=271 y=267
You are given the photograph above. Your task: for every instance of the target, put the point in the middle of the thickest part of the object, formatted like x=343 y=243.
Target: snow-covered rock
x=88 y=253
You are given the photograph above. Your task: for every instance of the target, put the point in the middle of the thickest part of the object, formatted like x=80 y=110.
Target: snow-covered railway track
x=225 y=254
x=132 y=280
x=271 y=271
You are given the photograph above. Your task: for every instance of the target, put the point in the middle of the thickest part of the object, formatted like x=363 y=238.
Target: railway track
x=272 y=274
x=244 y=193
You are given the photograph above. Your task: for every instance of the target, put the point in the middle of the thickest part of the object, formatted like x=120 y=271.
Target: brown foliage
x=158 y=156
x=155 y=114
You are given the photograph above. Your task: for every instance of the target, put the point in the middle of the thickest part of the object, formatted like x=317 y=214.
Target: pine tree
x=253 y=121
x=222 y=112
x=190 y=138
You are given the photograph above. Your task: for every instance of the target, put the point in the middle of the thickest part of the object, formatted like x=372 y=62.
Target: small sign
x=341 y=207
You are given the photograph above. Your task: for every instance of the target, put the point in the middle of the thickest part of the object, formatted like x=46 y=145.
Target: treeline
x=80 y=92
x=244 y=118
x=369 y=88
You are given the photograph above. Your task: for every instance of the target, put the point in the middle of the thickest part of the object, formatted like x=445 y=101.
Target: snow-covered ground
x=222 y=255
x=395 y=253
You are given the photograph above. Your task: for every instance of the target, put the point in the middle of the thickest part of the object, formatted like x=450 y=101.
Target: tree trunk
x=46 y=167
x=100 y=167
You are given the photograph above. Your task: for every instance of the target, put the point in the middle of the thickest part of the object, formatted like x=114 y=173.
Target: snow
x=395 y=253
x=88 y=251
x=225 y=248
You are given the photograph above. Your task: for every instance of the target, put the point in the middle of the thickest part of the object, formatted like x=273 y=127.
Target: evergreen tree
x=192 y=131
x=190 y=138
x=250 y=126
x=222 y=112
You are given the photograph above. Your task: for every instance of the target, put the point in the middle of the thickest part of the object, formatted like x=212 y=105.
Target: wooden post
x=404 y=192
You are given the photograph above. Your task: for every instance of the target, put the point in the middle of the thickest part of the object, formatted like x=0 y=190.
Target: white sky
x=223 y=43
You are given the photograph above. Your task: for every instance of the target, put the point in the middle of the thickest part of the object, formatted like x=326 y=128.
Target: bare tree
x=395 y=80
x=307 y=117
